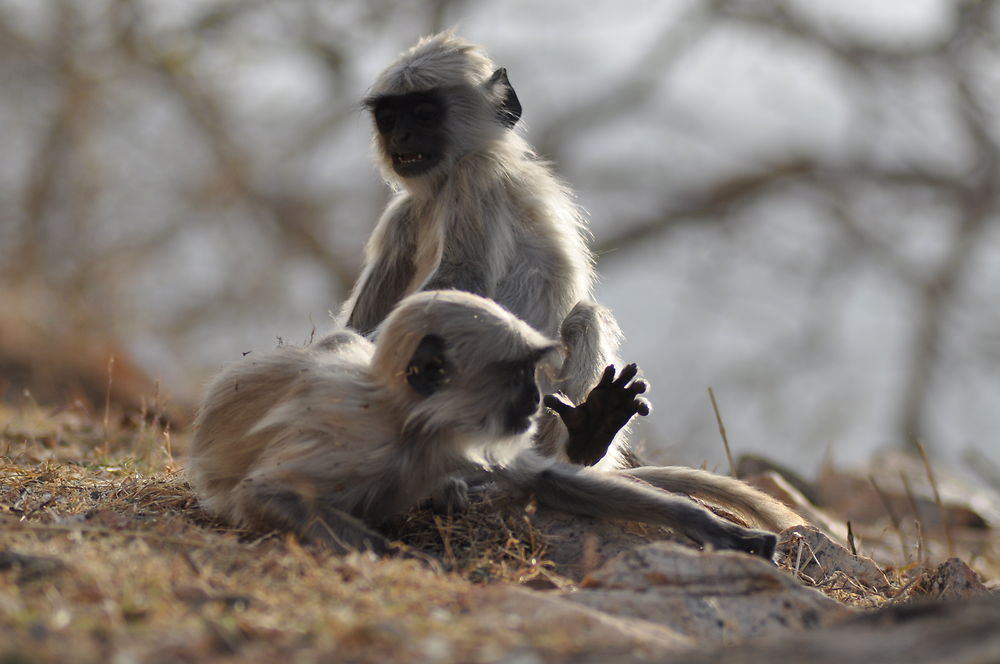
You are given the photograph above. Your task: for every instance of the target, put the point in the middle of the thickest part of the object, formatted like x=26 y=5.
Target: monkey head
x=459 y=361
x=440 y=100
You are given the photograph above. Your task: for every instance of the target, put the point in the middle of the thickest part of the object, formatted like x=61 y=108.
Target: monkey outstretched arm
x=593 y=424
x=603 y=495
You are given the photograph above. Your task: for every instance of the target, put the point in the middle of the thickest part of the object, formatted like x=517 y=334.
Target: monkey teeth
x=410 y=158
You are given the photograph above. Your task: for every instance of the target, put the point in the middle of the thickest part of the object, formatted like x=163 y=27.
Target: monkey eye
x=385 y=118
x=521 y=372
x=427 y=112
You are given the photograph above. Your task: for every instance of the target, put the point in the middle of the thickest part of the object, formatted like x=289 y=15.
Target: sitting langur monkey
x=477 y=210
x=329 y=440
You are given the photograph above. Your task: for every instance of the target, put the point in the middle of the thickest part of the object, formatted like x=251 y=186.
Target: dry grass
x=105 y=553
x=106 y=556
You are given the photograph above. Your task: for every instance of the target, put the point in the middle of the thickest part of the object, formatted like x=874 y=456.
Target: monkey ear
x=509 y=108
x=428 y=369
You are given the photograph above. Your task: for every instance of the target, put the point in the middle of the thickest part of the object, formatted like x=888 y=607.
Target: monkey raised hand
x=592 y=425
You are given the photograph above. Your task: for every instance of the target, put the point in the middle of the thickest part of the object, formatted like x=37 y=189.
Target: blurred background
x=795 y=203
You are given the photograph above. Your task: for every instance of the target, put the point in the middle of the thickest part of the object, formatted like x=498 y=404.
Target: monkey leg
x=273 y=503
x=591 y=337
x=451 y=496
x=596 y=494
x=593 y=424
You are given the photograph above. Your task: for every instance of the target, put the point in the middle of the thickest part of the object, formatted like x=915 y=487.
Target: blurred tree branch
x=297 y=220
x=644 y=79
x=973 y=191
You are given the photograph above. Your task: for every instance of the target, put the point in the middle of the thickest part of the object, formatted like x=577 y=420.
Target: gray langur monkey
x=330 y=439
x=477 y=210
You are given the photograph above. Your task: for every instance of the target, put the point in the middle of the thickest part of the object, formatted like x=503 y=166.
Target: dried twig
x=916 y=514
x=937 y=498
x=722 y=432
x=107 y=405
x=893 y=517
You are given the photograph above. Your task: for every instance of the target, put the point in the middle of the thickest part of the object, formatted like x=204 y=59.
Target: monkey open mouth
x=411 y=164
x=409 y=158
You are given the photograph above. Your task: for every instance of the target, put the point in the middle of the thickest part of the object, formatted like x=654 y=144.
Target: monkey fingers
x=634 y=389
x=593 y=424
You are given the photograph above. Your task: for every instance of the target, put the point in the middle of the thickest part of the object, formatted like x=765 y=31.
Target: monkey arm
x=463 y=272
x=601 y=495
x=593 y=424
x=389 y=269
x=382 y=284
x=464 y=266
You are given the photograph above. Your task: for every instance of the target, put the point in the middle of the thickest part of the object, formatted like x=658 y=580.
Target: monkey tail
x=756 y=507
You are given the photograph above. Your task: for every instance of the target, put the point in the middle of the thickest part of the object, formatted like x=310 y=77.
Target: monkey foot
x=593 y=424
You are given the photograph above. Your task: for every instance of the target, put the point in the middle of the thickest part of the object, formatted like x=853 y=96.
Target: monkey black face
x=524 y=395
x=412 y=127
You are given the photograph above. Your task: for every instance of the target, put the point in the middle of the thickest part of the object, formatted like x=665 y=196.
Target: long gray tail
x=756 y=507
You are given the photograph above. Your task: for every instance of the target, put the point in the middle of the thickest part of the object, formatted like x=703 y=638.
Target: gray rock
x=711 y=597
x=952 y=580
x=569 y=627
x=579 y=545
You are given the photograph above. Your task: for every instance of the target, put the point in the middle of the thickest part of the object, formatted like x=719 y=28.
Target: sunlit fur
x=491 y=219
x=333 y=427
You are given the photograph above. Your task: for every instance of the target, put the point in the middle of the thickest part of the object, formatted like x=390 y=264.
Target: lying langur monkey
x=477 y=210
x=329 y=440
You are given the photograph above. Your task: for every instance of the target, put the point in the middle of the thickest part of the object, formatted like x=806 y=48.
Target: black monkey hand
x=593 y=424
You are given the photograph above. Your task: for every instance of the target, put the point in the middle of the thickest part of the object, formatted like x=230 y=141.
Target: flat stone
x=711 y=597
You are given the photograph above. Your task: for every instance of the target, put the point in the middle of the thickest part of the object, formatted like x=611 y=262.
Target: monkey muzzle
x=521 y=414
